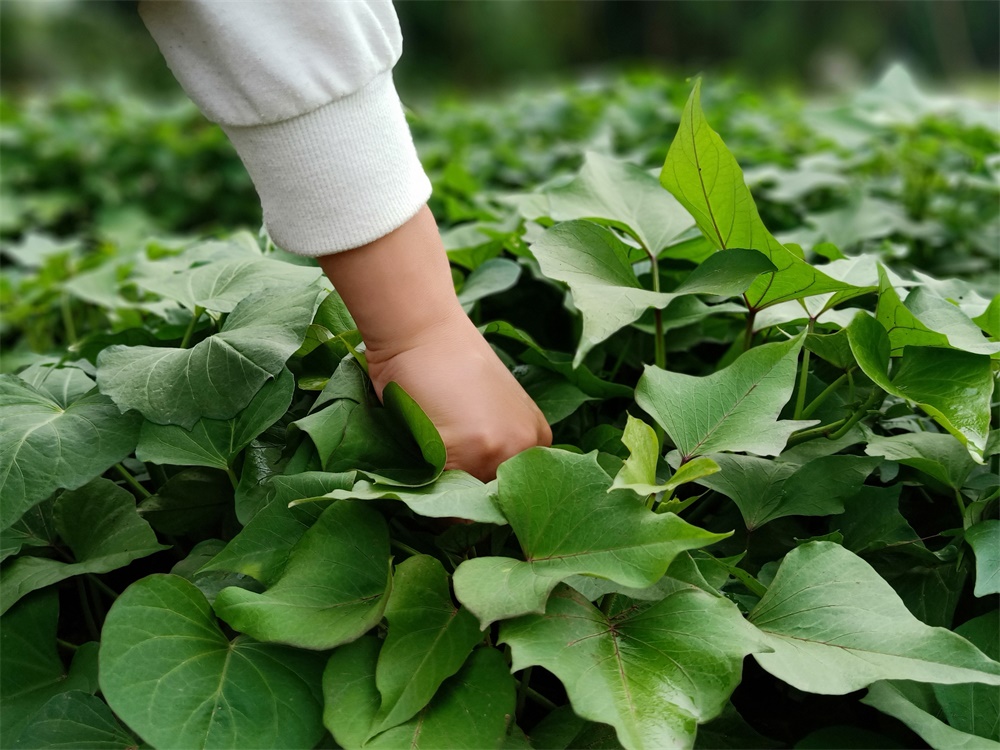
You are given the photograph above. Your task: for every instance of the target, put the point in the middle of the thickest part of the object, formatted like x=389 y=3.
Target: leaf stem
x=67 y=316
x=522 y=691
x=822 y=430
x=817 y=402
x=88 y=613
x=961 y=503
x=195 y=317
x=102 y=586
x=132 y=481
x=800 y=397
x=659 y=345
x=858 y=415
x=233 y=479
x=67 y=644
x=748 y=333
x=404 y=547
x=540 y=699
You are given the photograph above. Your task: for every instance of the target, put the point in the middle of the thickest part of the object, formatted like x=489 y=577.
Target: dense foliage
x=774 y=420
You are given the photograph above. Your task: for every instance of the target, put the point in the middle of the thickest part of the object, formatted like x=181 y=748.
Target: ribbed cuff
x=338 y=177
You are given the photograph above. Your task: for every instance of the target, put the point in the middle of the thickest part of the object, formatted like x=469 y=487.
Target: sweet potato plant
x=769 y=518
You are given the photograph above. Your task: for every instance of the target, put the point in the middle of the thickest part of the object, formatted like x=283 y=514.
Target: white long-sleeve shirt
x=304 y=90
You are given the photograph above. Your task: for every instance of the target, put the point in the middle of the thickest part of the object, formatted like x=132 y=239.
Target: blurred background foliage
x=482 y=45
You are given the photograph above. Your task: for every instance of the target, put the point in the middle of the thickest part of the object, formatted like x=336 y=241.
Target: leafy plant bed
x=769 y=518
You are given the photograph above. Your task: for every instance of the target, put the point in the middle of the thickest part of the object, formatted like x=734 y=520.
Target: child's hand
x=481 y=411
x=400 y=292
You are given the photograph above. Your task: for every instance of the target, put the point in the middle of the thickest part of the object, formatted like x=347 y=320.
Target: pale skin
x=399 y=290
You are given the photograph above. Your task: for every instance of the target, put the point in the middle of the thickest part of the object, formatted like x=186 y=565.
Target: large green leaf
x=954 y=387
x=469 y=712
x=623 y=196
x=937 y=455
x=984 y=538
x=216 y=442
x=568 y=525
x=173 y=676
x=975 y=708
x=703 y=175
x=493 y=276
x=654 y=671
x=765 y=490
x=429 y=640
x=220 y=375
x=74 y=720
x=32 y=670
x=99 y=524
x=64 y=385
x=332 y=590
x=836 y=626
x=871 y=521
x=595 y=265
x=908 y=703
x=220 y=285
x=45 y=445
x=733 y=409
x=454 y=494
x=554 y=395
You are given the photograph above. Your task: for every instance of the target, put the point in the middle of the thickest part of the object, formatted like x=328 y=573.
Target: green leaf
x=429 y=640
x=332 y=590
x=32 y=670
x=64 y=385
x=871 y=520
x=35 y=528
x=638 y=473
x=220 y=285
x=989 y=321
x=939 y=456
x=833 y=347
x=569 y=525
x=491 y=277
x=595 y=265
x=192 y=501
x=954 y=387
x=553 y=394
x=984 y=538
x=733 y=409
x=75 y=720
x=975 y=708
x=765 y=490
x=454 y=494
x=836 y=626
x=99 y=524
x=894 y=699
x=219 y=376
x=726 y=274
x=654 y=671
x=172 y=675
x=262 y=548
x=469 y=712
x=217 y=442
x=703 y=175
x=623 y=196
x=45 y=446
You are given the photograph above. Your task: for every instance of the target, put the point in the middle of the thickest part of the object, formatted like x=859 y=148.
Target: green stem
x=659 y=345
x=800 y=397
x=749 y=581
x=751 y=318
x=67 y=316
x=818 y=401
x=102 y=586
x=858 y=415
x=540 y=699
x=621 y=355
x=132 y=481
x=195 y=317
x=522 y=691
x=88 y=613
x=233 y=479
x=404 y=547
x=961 y=502
x=822 y=430
x=67 y=644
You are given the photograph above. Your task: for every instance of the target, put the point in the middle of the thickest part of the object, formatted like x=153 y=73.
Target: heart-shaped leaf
x=173 y=676
x=45 y=445
x=653 y=671
x=623 y=196
x=73 y=720
x=469 y=712
x=952 y=386
x=99 y=524
x=569 y=525
x=937 y=455
x=734 y=409
x=703 y=175
x=429 y=640
x=332 y=590
x=219 y=376
x=32 y=670
x=216 y=442
x=836 y=626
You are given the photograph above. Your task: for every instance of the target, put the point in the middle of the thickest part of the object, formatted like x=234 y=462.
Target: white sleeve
x=304 y=90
